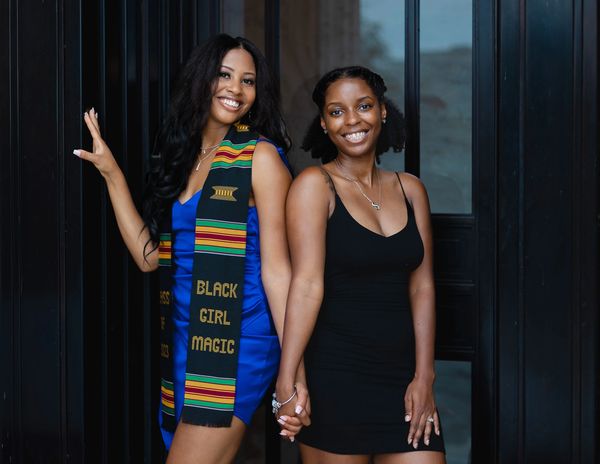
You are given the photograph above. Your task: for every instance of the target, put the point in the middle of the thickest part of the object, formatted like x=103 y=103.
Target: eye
x=336 y=112
x=224 y=75
x=365 y=106
x=248 y=81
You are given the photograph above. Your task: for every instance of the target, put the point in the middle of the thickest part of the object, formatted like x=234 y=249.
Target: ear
x=323 y=126
x=383 y=111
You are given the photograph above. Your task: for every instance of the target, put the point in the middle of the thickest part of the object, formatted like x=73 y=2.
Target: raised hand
x=100 y=156
x=131 y=225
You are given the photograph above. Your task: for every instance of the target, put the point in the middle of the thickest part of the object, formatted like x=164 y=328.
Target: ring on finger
x=430 y=419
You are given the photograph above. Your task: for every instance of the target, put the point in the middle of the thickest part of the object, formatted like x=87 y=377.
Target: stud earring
x=384 y=120
x=324 y=131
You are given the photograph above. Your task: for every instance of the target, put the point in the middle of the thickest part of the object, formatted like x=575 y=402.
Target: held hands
x=420 y=411
x=295 y=414
x=101 y=156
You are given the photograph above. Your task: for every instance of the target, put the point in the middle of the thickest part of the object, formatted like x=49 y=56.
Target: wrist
x=114 y=176
x=278 y=401
x=284 y=389
x=427 y=376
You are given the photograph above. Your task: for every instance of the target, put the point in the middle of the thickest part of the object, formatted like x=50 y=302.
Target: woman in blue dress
x=225 y=82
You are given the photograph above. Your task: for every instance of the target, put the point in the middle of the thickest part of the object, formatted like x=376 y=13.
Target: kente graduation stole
x=217 y=289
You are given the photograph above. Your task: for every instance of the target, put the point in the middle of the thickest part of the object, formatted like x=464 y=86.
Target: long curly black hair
x=180 y=137
x=393 y=134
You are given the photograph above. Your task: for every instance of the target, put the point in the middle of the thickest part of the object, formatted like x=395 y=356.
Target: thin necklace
x=211 y=149
x=374 y=204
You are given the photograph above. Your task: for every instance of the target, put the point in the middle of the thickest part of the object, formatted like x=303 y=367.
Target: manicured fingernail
x=298 y=409
x=409 y=440
x=415 y=444
x=292 y=439
x=437 y=431
x=407 y=418
x=93 y=110
x=427 y=441
x=77 y=153
x=283 y=433
x=281 y=421
x=284 y=418
x=96 y=114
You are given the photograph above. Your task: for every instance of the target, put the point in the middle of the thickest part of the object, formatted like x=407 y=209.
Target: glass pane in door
x=317 y=36
x=453 y=400
x=446 y=45
x=245 y=18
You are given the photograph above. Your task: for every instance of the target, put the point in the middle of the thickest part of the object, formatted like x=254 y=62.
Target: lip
x=353 y=139
x=228 y=107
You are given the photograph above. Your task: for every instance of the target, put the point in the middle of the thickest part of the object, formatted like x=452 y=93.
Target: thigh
x=195 y=444
x=411 y=457
x=312 y=455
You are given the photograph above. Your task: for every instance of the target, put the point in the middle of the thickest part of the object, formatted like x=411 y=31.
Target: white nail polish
x=77 y=153
x=298 y=409
x=407 y=418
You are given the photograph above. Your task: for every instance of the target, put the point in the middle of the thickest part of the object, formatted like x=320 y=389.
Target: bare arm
x=420 y=404
x=308 y=207
x=422 y=287
x=270 y=184
x=128 y=218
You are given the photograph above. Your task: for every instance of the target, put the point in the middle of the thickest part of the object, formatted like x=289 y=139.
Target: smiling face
x=352 y=116
x=235 y=88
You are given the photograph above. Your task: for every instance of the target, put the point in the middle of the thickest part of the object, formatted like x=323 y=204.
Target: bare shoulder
x=311 y=196
x=313 y=188
x=414 y=188
x=314 y=178
x=266 y=154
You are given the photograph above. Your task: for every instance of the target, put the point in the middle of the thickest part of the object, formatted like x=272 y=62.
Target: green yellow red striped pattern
x=208 y=392
x=164 y=250
x=167 y=398
x=232 y=155
x=216 y=237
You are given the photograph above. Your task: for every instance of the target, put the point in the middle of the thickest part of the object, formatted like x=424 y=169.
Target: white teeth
x=356 y=136
x=232 y=103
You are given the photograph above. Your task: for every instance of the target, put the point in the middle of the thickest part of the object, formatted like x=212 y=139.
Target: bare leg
x=194 y=444
x=312 y=455
x=412 y=457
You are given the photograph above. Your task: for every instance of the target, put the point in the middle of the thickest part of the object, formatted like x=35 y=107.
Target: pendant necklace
x=376 y=205
x=206 y=155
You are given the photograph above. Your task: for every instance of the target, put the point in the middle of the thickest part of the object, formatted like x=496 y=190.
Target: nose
x=351 y=118
x=234 y=86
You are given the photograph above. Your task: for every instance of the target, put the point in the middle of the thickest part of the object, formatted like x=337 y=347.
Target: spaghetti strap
x=403 y=192
x=325 y=173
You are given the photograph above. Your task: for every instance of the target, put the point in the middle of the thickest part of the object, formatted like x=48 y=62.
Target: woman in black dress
x=361 y=307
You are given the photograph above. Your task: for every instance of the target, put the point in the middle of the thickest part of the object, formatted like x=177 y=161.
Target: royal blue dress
x=259 y=346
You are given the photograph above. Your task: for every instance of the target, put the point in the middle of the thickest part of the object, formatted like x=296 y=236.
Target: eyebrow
x=360 y=99
x=231 y=69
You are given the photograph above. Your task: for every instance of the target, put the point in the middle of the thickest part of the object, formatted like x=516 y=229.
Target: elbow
x=272 y=275
x=146 y=266
x=308 y=287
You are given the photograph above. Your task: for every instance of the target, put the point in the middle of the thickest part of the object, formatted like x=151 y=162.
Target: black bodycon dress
x=361 y=356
